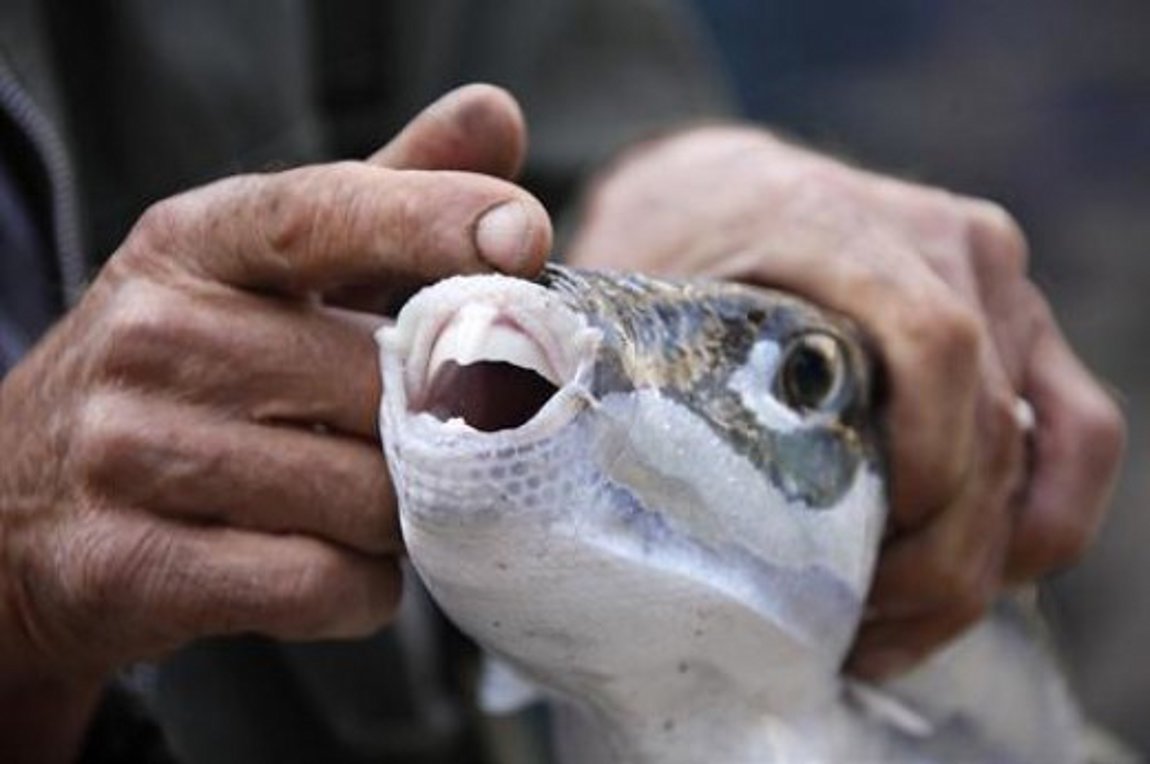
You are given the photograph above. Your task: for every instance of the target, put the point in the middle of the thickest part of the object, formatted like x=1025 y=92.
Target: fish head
x=602 y=475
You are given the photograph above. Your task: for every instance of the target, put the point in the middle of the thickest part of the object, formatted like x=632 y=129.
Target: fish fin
x=503 y=689
x=889 y=709
x=1001 y=679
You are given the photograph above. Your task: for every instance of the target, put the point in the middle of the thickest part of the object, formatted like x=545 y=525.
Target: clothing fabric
x=137 y=99
x=24 y=303
x=29 y=293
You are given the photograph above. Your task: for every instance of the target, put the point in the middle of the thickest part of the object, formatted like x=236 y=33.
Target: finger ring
x=1024 y=415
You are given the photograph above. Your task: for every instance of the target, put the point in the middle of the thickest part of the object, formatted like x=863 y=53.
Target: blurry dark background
x=1043 y=106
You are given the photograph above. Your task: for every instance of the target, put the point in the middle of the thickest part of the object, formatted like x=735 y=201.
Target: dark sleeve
x=11 y=344
x=124 y=732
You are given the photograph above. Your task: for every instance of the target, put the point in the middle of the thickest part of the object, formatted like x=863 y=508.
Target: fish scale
x=677 y=545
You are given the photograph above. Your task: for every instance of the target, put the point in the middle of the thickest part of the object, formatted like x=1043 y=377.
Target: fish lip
x=564 y=340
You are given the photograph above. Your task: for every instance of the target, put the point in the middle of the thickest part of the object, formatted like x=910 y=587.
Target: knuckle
x=141 y=325
x=307 y=210
x=995 y=239
x=156 y=230
x=285 y=209
x=949 y=332
x=105 y=437
x=1102 y=433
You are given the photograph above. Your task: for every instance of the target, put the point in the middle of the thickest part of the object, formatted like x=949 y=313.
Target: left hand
x=939 y=281
x=193 y=450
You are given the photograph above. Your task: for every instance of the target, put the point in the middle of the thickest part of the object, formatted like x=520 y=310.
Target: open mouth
x=488 y=354
x=488 y=371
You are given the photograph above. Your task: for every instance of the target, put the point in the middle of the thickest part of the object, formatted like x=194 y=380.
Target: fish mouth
x=488 y=354
x=489 y=371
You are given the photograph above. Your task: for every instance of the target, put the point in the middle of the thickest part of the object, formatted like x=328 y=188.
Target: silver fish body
x=662 y=501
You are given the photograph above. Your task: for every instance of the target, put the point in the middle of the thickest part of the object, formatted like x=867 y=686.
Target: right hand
x=193 y=450
x=939 y=282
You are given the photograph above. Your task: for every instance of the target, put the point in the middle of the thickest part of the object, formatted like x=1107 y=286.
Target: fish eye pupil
x=810 y=373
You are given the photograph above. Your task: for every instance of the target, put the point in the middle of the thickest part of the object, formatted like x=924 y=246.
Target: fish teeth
x=480 y=332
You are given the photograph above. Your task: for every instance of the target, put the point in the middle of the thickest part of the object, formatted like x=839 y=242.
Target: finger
x=934 y=582
x=954 y=562
x=1016 y=310
x=172 y=459
x=264 y=360
x=1077 y=448
x=316 y=228
x=1076 y=453
x=152 y=584
x=475 y=128
x=889 y=647
x=978 y=249
x=946 y=566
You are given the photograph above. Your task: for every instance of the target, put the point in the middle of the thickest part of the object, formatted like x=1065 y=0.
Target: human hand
x=940 y=283
x=193 y=450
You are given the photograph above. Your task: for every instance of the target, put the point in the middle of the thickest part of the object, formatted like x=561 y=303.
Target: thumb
x=474 y=128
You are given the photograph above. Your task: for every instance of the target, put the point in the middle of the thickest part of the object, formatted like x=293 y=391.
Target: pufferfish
x=662 y=502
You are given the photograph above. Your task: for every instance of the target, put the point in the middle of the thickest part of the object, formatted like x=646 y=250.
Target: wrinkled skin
x=940 y=282
x=192 y=451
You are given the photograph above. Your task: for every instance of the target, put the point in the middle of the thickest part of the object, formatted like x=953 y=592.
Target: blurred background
x=1043 y=106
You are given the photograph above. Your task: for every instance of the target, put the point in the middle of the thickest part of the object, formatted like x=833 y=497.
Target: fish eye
x=812 y=372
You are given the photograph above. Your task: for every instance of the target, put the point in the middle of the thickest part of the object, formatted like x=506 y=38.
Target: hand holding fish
x=940 y=283
x=193 y=450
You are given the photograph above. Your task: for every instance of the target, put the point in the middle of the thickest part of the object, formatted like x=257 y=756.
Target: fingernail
x=883 y=664
x=503 y=236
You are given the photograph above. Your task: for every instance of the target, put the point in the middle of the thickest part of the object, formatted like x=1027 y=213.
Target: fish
x=661 y=502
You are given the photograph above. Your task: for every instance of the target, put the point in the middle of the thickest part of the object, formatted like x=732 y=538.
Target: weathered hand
x=940 y=282
x=192 y=451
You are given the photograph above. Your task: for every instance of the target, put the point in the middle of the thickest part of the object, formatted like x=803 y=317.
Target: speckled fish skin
x=688 y=340
x=673 y=551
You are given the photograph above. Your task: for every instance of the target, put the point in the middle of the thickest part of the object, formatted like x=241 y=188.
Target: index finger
x=316 y=228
